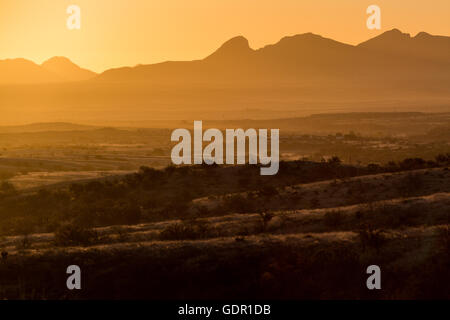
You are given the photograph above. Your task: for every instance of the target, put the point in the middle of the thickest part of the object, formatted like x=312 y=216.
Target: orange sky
x=128 y=32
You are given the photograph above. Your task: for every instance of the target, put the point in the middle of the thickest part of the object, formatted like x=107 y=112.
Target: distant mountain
x=305 y=58
x=294 y=59
x=423 y=46
x=235 y=61
x=67 y=70
x=235 y=48
x=57 y=69
x=297 y=76
x=19 y=71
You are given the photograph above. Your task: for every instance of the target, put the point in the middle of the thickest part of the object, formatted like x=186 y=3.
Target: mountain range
x=290 y=59
x=304 y=58
x=56 y=69
x=304 y=73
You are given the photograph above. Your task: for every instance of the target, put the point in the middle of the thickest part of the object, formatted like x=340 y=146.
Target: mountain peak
x=394 y=35
x=18 y=62
x=308 y=35
x=305 y=42
x=423 y=35
x=422 y=46
x=58 y=58
x=21 y=71
x=388 y=38
x=66 y=69
x=238 y=42
x=233 y=48
x=394 y=31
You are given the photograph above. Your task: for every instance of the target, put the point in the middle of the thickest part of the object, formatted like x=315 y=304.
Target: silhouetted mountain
x=235 y=48
x=423 y=46
x=57 y=69
x=299 y=75
x=305 y=57
x=67 y=70
x=18 y=71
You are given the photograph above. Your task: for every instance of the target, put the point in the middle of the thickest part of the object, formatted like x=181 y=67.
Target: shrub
x=238 y=204
x=411 y=184
x=268 y=192
x=202 y=210
x=333 y=219
x=443 y=159
x=334 y=160
x=394 y=216
x=188 y=230
x=75 y=235
x=24 y=243
x=121 y=232
x=444 y=239
x=7 y=189
x=371 y=238
x=266 y=217
x=314 y=203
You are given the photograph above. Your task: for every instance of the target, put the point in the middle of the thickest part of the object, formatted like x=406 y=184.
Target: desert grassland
x=41 y=154
x=399 y=221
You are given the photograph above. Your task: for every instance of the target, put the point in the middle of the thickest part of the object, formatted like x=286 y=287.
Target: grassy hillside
x=234 y=235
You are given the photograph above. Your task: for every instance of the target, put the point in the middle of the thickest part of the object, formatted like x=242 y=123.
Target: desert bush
x=334 y=161
x=75 y=235
x=314 y=203
x=333 y=219
x=412 y=164
x=24 y=243
x=202 y=210
x=443 y=159
x=410 y=184
x=7 y=189
x=444 y=239
x=121 y=232
x=371 y=238
x=374 y=168
x=394 y=216
x=265 y=218
x=268 y=192
x=238 y=204
x=187 y=230
x=244 y=182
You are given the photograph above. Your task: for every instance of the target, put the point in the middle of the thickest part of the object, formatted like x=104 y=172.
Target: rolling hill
x=56 y=69
x=20 y=71
x=67 y=70
x=308 y=241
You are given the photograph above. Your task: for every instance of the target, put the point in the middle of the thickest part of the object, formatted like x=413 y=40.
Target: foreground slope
x=288 y=250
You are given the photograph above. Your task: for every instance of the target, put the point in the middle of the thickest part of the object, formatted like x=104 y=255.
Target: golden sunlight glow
x=129 y=32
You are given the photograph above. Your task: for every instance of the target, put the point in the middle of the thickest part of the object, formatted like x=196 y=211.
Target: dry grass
x=259 y=254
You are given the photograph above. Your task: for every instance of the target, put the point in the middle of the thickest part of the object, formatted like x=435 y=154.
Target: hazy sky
x=128 y=32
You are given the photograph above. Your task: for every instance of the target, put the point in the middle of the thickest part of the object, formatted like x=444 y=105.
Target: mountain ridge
x=297 y=55
x=66 y=69
x=298 y=75
x=291 y=55
x=53 y=70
